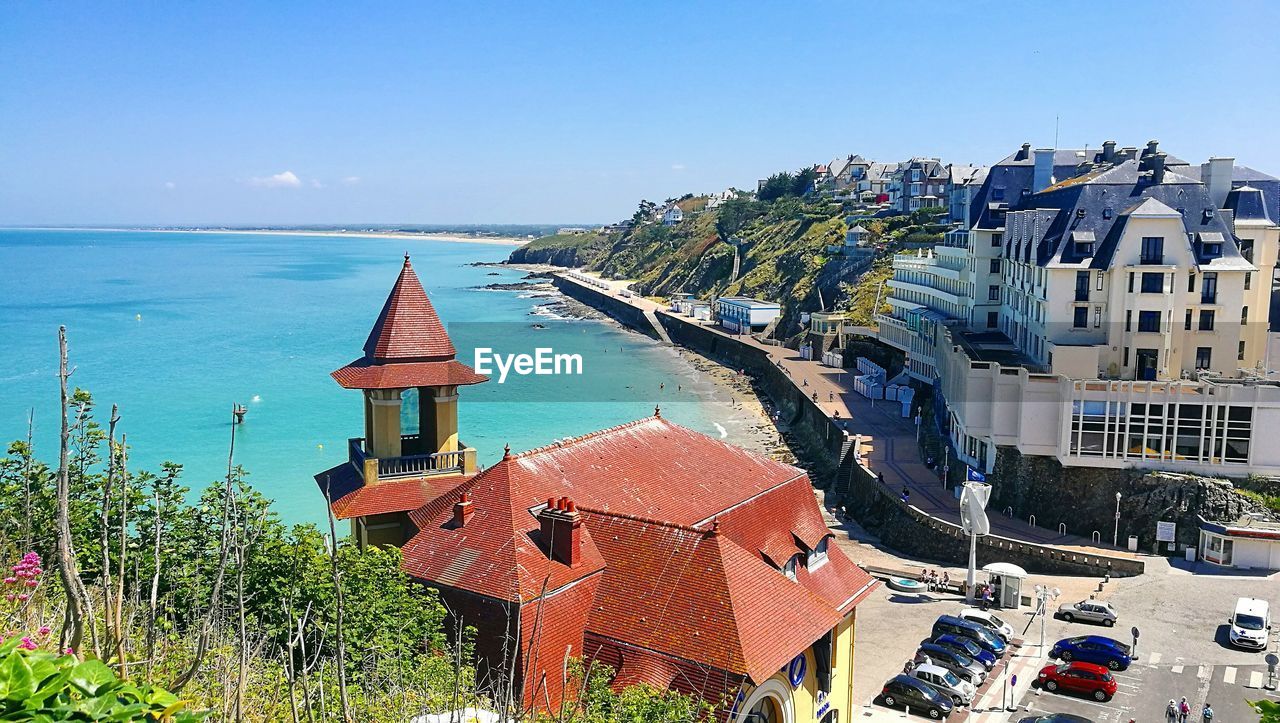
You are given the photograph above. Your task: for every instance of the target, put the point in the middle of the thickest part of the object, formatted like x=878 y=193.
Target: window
x=1212 y=251
x=1097 y=316
x=818 y=555
x=995 y=266
x=1248 y=280
x=1246 y=249
x=1082 y=286
x=997 y=193
x=1131 y=275
x=1152 y=250
x=1081 y=320
x=1191 y=283
x=1128 y=319
x=992 y=317
x=1099 y=281
x=1244 y=316
x=789 y=569
x=993 y=293
x=1206 y=320
x=1152 y=283
x=1107 y=212
x=1126 y=356
x=1084 y=248
x=1240 y=355
x=1186 y=324
x=1204 y=357
x=1149 y=321
x=996 y=239
x=1209 y=288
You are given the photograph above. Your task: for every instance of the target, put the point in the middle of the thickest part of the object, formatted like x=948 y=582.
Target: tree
x=777 y=186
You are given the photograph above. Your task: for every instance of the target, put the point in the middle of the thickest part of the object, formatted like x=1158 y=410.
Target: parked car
x=968 y=647
x=1055 y=718
x=990 y=621
x=952 y=625
x=958 y=663
x=1088 y=679
x=949 y=683
x=1093 y=649
x=913 y=693
x=1093 y=611
x=1250 y=624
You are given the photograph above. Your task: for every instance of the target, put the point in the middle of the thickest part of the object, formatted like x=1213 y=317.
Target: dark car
x=1093 y=649
x=958 y=663
x=1055 y=718
x=968 y=647
x=917 y=695
x=952 y=625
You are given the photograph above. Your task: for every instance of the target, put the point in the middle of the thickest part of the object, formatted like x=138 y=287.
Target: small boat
x=538 y=326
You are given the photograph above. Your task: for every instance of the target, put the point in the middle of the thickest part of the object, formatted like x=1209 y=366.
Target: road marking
x=1154 y=659
x=1177 y=669
x=1229 y=675
x=1255 y=679
x=1203 y=672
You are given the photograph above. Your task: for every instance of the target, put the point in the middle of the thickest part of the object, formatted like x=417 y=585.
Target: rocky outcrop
x=1084 y=498
x=552 y=256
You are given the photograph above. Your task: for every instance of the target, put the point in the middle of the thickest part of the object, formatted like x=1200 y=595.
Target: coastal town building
x=918 y=183
x=744 y=315
x=1106 y=308
x=672 y=215
x=1250 y=542
x=677 y=560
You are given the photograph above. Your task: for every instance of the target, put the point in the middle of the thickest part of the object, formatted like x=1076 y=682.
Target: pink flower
x=32 y=583
x=23 y=596
x=27 y=644
x=44 y=630
x=10 y=580
x=69 y=651
x=10 y=597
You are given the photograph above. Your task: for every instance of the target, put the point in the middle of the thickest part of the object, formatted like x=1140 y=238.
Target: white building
x=1106 y=309
x=1252 y=542
x=740 y=314
x=672 y=215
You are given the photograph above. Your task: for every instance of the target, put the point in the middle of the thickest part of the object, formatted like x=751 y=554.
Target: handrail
x=1062 y=528
x=1097 y=537
x=1008 y=512
x=406 y=465
x=1031 y=520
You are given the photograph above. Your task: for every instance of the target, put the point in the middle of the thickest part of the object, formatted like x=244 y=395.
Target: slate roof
x=408 y=346
x=1246 y=203
x=1100 y=202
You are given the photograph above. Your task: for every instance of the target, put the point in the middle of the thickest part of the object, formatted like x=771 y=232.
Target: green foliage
x=636 y=704
x=784 y=184
x=1268 y=709
x=42 y=686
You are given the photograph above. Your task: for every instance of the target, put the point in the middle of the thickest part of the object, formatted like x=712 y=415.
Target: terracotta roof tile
x=408 y=328
x=364 y=374
x=350 y=497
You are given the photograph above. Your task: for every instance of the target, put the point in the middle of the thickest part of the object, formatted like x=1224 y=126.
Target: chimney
x=1024 y=153
x=562 y=531
x=1157 y=166
x=462 y=510
x=1043 y=177
x=1152 y=147
x=1108 y=151
x=1216 y=176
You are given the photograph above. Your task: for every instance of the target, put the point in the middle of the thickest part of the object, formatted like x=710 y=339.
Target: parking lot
x=1182 y=649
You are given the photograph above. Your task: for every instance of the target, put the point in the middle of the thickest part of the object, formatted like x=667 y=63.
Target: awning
x=1005 y=569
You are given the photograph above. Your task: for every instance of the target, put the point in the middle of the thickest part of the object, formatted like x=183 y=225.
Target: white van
x=1251 y=623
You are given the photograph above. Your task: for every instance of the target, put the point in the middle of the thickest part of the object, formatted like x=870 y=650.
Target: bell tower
x=408 y=348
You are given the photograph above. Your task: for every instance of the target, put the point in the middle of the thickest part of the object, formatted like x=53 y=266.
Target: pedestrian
x=1208 y=713
x=805 y=382
x=906 y=494
x=906 y=669
x=1184 y=710
x=1171 y=712
x=831 y=396
x=946 y=579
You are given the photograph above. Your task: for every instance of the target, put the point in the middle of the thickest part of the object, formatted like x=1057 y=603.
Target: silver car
x=1093 y=611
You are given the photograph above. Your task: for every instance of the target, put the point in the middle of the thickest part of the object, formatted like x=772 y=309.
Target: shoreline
x=401 y=235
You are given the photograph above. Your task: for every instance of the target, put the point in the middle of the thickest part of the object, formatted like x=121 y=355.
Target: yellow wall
x=806 y=704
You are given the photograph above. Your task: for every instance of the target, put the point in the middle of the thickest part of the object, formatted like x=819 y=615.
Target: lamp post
x=1115 y=536
x=1045 y=595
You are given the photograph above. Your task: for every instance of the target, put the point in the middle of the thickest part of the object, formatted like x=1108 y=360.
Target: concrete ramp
x=657 y=325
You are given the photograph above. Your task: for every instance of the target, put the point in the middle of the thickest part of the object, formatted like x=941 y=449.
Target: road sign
x=1014 y=680
x=1135 y=631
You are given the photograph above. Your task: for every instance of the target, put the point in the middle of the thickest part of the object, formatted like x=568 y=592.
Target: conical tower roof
x=408 y=328
x=408 y=346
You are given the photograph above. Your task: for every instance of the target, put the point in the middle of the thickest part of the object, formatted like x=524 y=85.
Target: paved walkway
x=888 y=440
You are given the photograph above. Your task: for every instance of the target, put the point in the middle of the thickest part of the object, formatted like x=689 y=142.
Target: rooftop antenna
x=1055 y=130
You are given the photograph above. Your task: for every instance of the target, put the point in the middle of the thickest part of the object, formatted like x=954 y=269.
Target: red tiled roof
x=499 y=552
x=779 y=523
x=350 y=497
x=699 y=596
x=364 y=374
x=654 y=469
x=407 y=328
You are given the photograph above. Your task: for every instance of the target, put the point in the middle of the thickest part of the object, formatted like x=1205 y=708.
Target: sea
x=176 y=328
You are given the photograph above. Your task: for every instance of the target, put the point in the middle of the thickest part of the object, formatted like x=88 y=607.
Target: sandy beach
x=453 y=238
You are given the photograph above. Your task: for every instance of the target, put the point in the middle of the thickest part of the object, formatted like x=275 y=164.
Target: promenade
x=889 y=445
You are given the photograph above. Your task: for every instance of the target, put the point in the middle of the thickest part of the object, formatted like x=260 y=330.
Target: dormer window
x=1107 y=212
x=997 y=193
x=1208 y=214
x=818 y=555
x=1084 y=248
x=1212 y=251
x=789 y=569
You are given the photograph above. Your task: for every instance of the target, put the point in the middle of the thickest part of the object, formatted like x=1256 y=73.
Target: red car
x=1084 y=678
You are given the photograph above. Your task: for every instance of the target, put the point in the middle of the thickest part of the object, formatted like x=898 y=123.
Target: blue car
x=968 y=647
x=952 y=625
x=1093 y=649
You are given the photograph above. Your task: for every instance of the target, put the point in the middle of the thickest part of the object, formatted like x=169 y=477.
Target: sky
x=450 y=113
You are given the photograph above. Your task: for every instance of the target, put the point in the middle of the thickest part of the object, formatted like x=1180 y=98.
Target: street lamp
x=1115 y=536
x=1045 y=595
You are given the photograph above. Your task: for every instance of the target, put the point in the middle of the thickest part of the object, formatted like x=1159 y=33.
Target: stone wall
x=616 y=308
x=1085 y=498
x=904 y=527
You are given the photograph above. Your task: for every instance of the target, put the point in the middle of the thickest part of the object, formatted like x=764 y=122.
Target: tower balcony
x=424 y=464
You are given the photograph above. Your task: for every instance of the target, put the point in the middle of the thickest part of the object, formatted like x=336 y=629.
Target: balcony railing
x=406 y=465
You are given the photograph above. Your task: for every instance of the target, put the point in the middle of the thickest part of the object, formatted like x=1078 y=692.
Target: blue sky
x=281 y=112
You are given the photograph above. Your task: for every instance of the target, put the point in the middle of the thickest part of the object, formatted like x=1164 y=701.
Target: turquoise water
x=177 y=327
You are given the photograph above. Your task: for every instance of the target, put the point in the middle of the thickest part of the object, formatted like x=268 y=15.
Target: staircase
x=657 y=325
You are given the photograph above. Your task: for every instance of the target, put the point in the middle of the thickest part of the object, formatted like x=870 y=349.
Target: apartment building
x=919 y=183
x=1107 y=308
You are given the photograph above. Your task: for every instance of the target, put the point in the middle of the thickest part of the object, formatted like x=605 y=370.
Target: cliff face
x=566 y=257
x=1085 y=498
